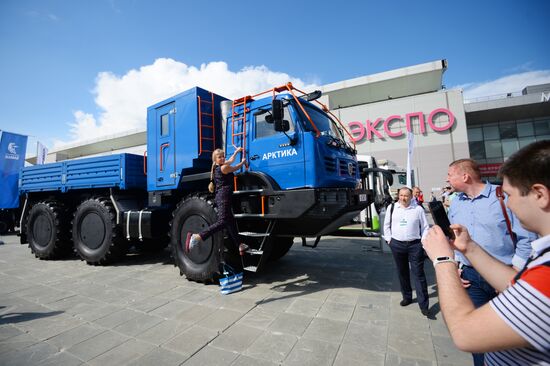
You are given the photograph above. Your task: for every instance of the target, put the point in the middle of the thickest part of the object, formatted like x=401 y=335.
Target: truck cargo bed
x=124 y=171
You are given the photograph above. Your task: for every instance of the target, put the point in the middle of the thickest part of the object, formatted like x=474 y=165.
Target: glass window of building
x=491 y=133
x=509 y=147
x=475 y=134
x=542 y=127
x=508 y=130
x=477 y=150
x=524 y=141
x=493 y=161
x=525 y=128
x=493 y=149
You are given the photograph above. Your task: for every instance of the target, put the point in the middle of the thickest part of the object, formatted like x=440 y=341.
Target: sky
x=74 y=70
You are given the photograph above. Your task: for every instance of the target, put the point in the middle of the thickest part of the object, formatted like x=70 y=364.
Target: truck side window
x=264 y=129
x=164 y=127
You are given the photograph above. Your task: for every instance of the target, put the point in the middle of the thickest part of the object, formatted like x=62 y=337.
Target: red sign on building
x=489 y=170
x=370 y=129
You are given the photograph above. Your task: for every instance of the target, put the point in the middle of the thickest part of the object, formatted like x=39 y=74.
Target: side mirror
x=389 y=177
x=313 y=95
x=277 y=110
x=385 y=173
x=281 y=125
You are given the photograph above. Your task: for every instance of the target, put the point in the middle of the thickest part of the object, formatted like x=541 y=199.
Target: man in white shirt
x=405 y=225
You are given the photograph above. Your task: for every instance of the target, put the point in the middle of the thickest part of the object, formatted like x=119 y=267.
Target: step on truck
x=301 y=181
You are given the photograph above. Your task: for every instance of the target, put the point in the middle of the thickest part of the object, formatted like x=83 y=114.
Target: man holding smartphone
x=478 y=208
x=404 y=225
x=514 y=328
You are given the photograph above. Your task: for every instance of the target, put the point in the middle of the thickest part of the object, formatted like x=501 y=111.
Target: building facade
x=405 y=101
x=382 y=110
x=500 y=125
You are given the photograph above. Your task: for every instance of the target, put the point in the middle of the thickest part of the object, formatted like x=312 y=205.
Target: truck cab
x=296 y=151
x=301 y=172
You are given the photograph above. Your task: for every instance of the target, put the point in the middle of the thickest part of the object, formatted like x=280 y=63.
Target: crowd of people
x=493 y=277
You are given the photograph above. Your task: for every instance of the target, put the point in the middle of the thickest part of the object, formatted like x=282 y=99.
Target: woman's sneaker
x=243 y=248
x=191 y=241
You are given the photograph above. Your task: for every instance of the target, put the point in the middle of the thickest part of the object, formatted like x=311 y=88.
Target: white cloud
x=42 y=15
x=507 y=84
x=123 y=100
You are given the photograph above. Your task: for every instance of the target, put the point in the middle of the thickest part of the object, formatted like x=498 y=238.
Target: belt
x=407 y=241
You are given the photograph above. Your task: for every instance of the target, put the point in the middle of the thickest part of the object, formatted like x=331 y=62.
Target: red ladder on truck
x=238 y=121
x=207 y=141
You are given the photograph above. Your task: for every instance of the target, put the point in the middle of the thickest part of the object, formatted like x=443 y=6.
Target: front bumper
x=302 y=212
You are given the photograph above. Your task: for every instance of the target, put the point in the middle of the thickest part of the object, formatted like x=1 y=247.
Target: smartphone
x=440 y=218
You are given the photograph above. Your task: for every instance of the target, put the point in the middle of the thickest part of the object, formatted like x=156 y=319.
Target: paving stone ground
x=337 y=304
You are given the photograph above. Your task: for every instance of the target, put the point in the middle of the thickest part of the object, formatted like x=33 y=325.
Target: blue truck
x=301 y=182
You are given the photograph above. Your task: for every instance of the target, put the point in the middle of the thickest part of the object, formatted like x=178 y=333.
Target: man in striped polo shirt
x=514 y=327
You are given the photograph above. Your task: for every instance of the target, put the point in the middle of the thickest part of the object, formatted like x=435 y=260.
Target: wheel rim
x=201 y=252
x=92 y=230
x=42 y=231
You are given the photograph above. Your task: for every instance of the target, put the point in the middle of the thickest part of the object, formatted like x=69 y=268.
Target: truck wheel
x=3 y=226
x=97 y=238
x=195 y=214
x=280 y=247
x=48 y=230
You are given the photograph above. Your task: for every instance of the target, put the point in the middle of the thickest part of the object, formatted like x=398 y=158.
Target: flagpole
x=410 y=150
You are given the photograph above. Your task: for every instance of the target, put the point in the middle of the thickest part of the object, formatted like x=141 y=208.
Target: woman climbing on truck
x=221 y=181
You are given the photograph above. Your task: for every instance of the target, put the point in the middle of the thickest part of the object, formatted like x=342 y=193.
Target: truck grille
x=347 y=168
x=330 y=165
x=342 y=167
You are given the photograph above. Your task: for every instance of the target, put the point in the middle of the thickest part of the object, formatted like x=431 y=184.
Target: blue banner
x=12 y=159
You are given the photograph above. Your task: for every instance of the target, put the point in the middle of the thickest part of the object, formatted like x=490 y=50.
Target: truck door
x=166 y=148
x=270 y=151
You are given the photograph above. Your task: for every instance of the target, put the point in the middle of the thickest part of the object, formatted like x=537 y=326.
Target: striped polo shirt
x=525 y=307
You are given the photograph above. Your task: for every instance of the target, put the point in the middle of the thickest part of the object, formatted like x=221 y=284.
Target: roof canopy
x=407 y=81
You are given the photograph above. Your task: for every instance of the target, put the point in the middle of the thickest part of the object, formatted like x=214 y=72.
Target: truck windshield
x=323 y=122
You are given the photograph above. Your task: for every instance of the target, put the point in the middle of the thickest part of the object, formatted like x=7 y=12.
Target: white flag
x=41 y=152
x=410 y=149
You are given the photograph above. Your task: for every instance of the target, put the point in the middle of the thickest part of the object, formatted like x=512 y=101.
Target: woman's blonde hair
x=215 y=153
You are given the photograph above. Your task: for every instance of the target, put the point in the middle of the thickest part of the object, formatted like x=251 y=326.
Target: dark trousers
x=481 y=293
x=226 y=220
x=405 y=253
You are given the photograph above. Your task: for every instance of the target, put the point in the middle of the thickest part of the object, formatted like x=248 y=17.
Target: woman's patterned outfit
x=223 y=192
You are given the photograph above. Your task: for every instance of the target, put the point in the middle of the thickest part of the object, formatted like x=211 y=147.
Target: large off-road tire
x=97 y=238
x=194 y=214
x=280 y=247
x=48 y=230
x=4 y=226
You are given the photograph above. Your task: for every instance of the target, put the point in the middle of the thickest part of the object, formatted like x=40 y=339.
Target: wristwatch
x=443 y=260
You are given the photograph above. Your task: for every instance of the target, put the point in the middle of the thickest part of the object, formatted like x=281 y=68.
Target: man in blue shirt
x=478 y=209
